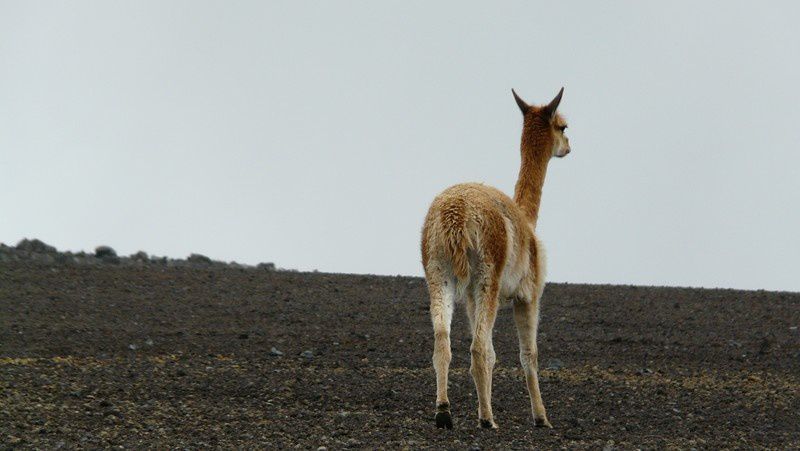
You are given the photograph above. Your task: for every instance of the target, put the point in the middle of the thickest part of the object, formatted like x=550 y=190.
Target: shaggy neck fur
x=536 y=152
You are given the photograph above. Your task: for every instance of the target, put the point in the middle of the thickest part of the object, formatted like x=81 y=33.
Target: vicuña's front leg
x=526 y=317
x=483 y=356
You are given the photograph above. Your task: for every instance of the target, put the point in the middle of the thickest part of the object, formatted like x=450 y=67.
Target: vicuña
x=479 y=246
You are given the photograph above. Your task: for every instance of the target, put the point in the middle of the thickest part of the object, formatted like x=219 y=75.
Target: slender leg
x=482 y=350
x=471 y=313
x=441 y=294
x=526 y=317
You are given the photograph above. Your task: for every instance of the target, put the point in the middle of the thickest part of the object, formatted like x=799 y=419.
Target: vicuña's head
x=544 y=126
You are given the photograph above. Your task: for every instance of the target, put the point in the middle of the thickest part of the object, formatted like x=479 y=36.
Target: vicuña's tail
x=456 y=239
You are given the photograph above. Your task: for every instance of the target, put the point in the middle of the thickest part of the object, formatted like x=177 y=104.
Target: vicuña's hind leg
x=483 y=357
x=442 y=297
x=526 y=316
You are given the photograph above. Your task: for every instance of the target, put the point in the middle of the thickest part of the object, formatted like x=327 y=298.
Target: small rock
x=307 y=354
x=243 y=336
x=111 y=419
x=275 y=352
x=322 y=448
x=132 y=347
x=266 y=266
x=474 y=447
x=149 y=342
x=554 y=364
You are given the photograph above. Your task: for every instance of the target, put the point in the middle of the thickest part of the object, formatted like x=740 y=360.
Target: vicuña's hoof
x=488 y=424
x=444 y=420
x=443 y=417
x=542 y=423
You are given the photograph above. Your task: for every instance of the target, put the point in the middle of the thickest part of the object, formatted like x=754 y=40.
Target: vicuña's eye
x=562 y=128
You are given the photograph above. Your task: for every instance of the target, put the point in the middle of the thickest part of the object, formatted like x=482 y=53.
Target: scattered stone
x=322 y=448
x=132 y=347
x=307 y=354
x=111 y=419
x=149 y=342
x=554 y=365
x=275 y=352
x=266 y=266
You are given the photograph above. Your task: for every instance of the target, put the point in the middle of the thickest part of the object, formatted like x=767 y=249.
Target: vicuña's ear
x=553 y=105
x=524 y=107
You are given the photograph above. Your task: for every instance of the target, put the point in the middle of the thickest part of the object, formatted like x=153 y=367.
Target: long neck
x=528 y=192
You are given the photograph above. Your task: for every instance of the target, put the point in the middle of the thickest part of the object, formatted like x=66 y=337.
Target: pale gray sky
x=315 y=134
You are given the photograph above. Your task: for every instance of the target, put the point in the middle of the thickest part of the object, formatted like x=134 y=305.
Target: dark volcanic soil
x=100 y=356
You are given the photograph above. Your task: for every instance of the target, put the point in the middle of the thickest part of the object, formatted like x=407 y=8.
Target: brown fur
x=479 y=244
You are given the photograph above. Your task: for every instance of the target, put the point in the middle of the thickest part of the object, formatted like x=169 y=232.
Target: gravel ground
x=101 y=356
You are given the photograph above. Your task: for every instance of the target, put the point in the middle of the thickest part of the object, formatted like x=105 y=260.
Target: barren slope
x=168 y=357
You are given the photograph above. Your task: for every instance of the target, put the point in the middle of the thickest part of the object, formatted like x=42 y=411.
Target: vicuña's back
x=479 y=245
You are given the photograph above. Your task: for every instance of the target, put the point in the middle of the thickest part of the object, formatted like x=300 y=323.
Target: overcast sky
x=314 y=135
